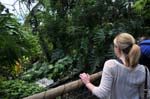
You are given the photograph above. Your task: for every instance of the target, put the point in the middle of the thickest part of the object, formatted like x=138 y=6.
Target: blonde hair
x=131 y=51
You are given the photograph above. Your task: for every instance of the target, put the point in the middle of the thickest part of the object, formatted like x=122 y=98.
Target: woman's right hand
x=85 y=78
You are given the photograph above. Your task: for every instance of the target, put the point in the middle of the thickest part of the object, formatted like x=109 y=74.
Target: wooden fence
x=62 y=89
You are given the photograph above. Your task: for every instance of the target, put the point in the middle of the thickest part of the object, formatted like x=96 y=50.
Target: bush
x=16 y=89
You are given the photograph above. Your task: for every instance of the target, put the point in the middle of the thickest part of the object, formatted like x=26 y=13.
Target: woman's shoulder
x=115 y=63
x=140 y=67
x=111 y=66
x=111 y=63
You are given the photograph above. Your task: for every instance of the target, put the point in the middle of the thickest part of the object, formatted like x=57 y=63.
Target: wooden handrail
x=62 y=89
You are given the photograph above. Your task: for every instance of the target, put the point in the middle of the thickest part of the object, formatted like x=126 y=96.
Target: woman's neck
x=122 y=58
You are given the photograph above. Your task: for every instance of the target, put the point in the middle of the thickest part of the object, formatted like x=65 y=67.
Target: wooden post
x=54 y=92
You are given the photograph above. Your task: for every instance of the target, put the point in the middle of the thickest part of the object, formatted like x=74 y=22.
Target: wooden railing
x=54 y=92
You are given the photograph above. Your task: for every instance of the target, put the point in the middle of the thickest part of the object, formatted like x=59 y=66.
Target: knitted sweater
x=121 y=82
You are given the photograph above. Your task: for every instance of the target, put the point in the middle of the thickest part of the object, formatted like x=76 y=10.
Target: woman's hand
x=85 y=78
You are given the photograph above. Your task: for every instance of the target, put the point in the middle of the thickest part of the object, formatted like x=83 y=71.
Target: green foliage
x=51 y=71
x=71 y=28
x=16 y=89
x=32 y=48
x=139 y=5
x=64 y=64
x=10 y=39
x=142 y=9
x=37 y=71
x=83 y=29
x=16 y=43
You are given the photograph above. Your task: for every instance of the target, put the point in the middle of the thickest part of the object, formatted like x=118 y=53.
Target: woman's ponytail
x=134 y=55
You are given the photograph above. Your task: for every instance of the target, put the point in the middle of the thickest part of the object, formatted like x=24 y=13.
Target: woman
x=122 y=78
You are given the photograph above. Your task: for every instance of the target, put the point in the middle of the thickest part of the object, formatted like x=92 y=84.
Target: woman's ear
x=118 y=51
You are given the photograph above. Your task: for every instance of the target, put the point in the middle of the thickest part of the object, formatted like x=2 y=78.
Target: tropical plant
x=14 y=44
x=70 y=28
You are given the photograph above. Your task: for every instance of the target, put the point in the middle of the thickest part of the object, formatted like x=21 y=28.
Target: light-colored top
x=121 y=82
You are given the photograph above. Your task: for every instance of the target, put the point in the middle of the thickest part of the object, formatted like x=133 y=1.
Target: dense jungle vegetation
x=61 y=38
